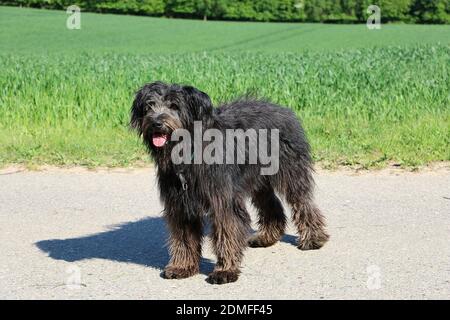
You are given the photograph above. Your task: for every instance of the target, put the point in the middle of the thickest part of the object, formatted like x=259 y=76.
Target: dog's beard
x=157 y=139
x=160 y=138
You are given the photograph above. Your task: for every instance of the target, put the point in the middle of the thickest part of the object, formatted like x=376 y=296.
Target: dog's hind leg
x=185 y=247
x=310 y=224
x=306 y=216
x=230 y=228
x=271 y=218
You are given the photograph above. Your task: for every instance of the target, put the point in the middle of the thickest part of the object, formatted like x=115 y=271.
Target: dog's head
x=159 y=109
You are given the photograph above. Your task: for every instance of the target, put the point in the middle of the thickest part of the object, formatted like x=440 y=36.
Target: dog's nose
x=157 y=124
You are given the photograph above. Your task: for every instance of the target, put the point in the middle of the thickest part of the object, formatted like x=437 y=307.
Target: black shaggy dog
x=191 y=192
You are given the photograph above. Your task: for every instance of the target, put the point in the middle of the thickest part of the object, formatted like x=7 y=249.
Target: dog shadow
x=142 y=242
x=290 y=239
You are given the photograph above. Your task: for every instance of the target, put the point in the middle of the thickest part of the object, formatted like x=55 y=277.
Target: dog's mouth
x=159 y=139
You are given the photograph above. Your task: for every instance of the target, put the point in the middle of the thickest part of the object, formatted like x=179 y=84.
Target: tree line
x=331 y=11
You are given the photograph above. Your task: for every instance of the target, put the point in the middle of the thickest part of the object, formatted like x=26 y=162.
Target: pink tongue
x=159 y=140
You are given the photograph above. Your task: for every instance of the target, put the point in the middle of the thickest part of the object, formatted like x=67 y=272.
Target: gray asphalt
x=70 y=234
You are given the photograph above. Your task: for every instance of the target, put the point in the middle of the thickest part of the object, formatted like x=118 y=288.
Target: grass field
x=366 y=98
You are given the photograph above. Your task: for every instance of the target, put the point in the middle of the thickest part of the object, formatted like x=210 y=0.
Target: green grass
x=366 y=98
x=44 y=31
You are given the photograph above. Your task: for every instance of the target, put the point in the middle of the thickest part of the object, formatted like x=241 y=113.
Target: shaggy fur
x=219 y=191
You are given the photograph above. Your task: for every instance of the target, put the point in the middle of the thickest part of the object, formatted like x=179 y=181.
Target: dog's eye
x=173 y=106
x=148 y=105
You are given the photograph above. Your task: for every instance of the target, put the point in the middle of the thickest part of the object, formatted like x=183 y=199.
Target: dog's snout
x=157 y=124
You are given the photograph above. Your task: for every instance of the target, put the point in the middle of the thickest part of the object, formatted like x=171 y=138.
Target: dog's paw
x=172 y=272
x=258 y=241
x=310 y=245
x=222 y=277
x=313 y=244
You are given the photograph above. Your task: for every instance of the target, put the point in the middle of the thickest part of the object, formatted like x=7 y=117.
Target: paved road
x=75 y=234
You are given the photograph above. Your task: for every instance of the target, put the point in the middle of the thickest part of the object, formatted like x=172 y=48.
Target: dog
x=194 y=192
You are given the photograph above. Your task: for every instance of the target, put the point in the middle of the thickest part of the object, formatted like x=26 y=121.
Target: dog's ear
x=137 y=112
x=199 y=102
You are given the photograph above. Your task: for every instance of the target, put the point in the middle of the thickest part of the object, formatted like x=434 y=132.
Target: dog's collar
x=184 y=184
x=183 y=181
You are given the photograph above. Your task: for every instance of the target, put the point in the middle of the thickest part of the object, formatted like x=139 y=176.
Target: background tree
x=394 y=10
x=240 y=10
x=180 y=8
x=210 y=8
x=420 y=11
x=361 y=10
x=348 y=8
x=431 y=11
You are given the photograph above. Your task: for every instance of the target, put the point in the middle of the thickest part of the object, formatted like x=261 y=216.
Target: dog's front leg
x=185 y=244
x=229 y=235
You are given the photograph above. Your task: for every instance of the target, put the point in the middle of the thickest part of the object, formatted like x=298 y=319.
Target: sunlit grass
x=360 y=106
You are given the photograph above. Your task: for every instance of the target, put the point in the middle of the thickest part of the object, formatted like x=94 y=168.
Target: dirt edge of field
x=433 y=168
